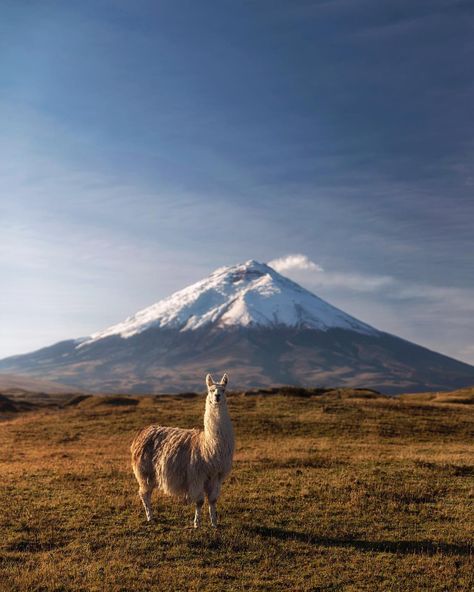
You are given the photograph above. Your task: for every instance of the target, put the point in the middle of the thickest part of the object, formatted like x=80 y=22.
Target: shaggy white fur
x=188 y=464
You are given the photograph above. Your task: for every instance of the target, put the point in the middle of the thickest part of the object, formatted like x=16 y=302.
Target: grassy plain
x=334 y=492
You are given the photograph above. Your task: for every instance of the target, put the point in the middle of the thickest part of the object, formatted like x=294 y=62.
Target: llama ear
x=224 y=380
x=209 y=380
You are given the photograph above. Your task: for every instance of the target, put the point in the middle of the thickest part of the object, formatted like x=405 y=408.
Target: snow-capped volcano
x=250 y=294
x=259 y=326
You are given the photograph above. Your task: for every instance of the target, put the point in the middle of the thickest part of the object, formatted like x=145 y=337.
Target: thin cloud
x=303 y=269
x=294 y=262
x=353 y=281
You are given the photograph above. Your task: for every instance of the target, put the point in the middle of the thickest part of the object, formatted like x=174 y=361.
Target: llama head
x=216 y=390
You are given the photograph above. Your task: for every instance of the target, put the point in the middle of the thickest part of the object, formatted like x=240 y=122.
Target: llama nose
x=218 y=398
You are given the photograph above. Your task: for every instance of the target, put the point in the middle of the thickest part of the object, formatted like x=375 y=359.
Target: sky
x=144 y=144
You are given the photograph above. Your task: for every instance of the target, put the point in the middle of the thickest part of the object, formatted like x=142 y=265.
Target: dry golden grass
x=328 y=493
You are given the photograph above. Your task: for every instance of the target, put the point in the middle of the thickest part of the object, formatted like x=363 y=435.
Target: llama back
x=168 y=458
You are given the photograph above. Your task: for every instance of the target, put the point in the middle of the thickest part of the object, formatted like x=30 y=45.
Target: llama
x=187 y=464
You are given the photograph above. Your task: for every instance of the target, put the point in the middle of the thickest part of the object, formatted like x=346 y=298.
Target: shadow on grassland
x=399 y=547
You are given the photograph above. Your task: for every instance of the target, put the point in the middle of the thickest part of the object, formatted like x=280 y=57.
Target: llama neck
x=217 y=424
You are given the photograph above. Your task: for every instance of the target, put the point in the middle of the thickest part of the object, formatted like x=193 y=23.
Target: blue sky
x=144 y=144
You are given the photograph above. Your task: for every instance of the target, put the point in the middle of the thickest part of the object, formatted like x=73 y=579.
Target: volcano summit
x=253 y=322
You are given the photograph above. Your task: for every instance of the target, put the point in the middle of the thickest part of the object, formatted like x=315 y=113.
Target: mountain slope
x=251 y=321
x=10 y=382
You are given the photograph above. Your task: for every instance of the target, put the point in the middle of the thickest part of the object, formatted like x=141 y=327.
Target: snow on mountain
x=251 y=294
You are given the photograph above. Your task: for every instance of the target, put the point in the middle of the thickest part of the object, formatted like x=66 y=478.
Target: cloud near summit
x=294 y=262
x=302 y=268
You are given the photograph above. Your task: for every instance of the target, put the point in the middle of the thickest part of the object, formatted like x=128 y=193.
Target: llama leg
x=198 y=513
x=213 y=494
x=213 y=513
x=145 y=496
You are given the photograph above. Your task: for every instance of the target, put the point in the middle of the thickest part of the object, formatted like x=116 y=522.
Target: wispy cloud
x=302 y=268
x=294 y=262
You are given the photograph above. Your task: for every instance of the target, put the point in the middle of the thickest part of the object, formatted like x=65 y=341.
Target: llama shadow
x=398 y=547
